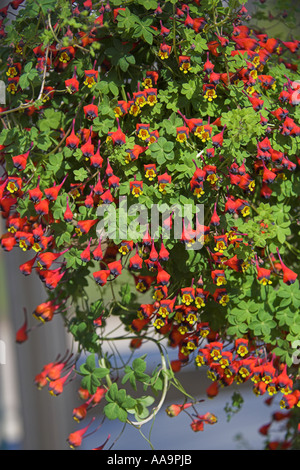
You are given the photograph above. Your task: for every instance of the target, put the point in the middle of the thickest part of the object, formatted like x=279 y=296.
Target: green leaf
x=101 y=372
x=112 y=411
x=51 y=120
x=90 y=362
x=81 y=174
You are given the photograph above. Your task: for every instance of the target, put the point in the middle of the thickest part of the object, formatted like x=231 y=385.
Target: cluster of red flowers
x=55 y=376
x=239 y=363
x=174 y=313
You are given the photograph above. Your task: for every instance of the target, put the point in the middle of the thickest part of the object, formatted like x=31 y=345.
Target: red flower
x=72 y=84
x=22 y=333
x=72 y=141
x=289 y=276
x=75 y=438
x=164 y=51
x=45 y=311
x=101 y=276
x=91 y=111
x=117 y=137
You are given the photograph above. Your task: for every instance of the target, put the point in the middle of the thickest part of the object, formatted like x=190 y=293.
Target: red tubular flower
x=42 y=207
x=208 y=66
x=20 y=161
x=150 y=171
x=290 y=400
x=135 y=262
x=68 y=214
x=26 y=268
x=241 y=346
x=40 y=380
x=101 y=447
x=217 y=139
x=45 y=260
x=98 y=188
x=150 y=80
x=209 y=92
x=256 y=102
x=72 y=141
x=66 y=54
x=52 y=278
x=164 y=51
x=91 y=77
x=264 y=429
x=143 y=131
x=263 y=275
x=52 y=193
x=151 y=96
x=115 y=268
x=174 y=410
x=8 y=241
x=125 y=247
x=84 y=226
x=86 y=253
x=221 y=296
x=163 y=181
x=13 y=184
x=221 y=242
x=133 y=154
x=188 y=295
x=113 y=182
x=22 y=333
x=197 y=425
x=163 y=253
x=117 y=137
x=136 y=188
x=98 y=253
x=268 y=175
x=56 y=387
x=96 y=160
x=153 y=255
x=184 y=63
x=140 y=98
x=213 y=390
x=289 y=276
x=98 y=395
x=101 y=276
x=218 y=277
x=214 y=78
x=88 y=148
x=182 y=134
x=154 y=135
x=200 y=297
x=80 y=412
x=284 y=383
x=162 y=277
x=91 y=110
x=72 y=84
x=122 y=108
x=35 y=195
x=107 y=197
x=166 y=307
x=15 y=224
x=75 y=438
x=24 y=240
x=146 y=311
x=45 y=311
x=215 y=219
